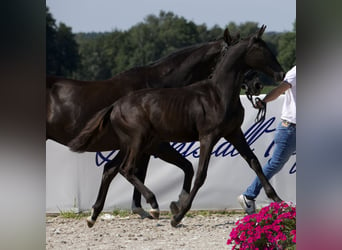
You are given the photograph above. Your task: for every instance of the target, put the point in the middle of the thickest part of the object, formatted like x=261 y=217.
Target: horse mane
x=236 y=39
x=183 y=51
x=170 y=57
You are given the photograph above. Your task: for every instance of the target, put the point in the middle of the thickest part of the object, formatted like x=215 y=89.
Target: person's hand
x=259 y=104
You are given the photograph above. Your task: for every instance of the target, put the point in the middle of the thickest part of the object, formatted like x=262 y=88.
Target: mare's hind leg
x=239 y=142
x=110 y=170
x=141 y=174
x=128 y=170
x=167 y=153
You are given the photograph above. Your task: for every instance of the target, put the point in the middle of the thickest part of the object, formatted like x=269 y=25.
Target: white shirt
x=289 y=106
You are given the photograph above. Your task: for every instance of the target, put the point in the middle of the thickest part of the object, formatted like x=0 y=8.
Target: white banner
x=73 y=180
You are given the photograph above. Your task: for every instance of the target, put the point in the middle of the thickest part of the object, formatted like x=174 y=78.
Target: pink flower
x=293 y=233
x=272 y=228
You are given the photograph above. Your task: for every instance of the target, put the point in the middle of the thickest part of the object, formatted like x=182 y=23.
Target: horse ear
x=261 y=31
x=226 y=37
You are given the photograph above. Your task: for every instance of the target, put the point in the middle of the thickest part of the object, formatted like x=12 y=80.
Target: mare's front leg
x=206 y=145
x=110 y=170
x=238 y=140
x=136 y=201
x=167 y=153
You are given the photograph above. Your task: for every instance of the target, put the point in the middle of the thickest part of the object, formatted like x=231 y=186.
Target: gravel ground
x=132 y=232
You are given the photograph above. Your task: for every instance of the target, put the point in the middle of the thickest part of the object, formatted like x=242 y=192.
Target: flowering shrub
x=274 y=227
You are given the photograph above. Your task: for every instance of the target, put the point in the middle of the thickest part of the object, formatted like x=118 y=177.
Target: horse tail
x=93 y=127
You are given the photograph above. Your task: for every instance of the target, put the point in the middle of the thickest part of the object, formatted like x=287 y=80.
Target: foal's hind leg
x=141 y=174
x=110 y=170
x=167 y=153
x=239 y=142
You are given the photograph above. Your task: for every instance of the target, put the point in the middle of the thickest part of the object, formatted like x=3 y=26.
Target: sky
x=108 y=15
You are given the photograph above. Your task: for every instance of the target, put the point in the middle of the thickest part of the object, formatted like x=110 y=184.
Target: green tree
x=105 y=54
x=150 y=40
x=287 y=49
x=159 y=36
x=61 y=48
x=67 y=55
x=97 y=53
x=51 y=43
x=245 y=29
x=248 y=28
x=206 y=34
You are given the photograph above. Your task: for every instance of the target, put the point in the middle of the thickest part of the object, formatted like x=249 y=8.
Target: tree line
x=101 y=55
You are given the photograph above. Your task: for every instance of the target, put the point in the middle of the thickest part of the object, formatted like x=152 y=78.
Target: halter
x=248 y=76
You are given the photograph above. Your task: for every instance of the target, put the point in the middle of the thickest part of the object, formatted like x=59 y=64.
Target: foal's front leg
x=167 y=153
x=110 y=170
x=206 y=145
x=238 y=140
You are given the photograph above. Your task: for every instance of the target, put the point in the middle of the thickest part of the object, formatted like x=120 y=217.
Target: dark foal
x=70 y=104
x=205 y=111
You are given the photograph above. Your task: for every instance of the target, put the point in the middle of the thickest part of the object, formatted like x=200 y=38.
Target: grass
x=265 y=90
x=206 y=213
x=126 y=212
x=121 y=212
x=73 y=215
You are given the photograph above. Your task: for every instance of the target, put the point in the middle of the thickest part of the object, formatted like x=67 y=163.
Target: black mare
x=205 y=111
x=72 y=103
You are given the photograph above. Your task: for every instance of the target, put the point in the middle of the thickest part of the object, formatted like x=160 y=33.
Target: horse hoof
x=143 y=214
x=90 y=222
x=174 y=208
x=155 y=213
x=174 y=223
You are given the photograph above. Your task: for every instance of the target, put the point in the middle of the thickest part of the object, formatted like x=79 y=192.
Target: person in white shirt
x=285 y=138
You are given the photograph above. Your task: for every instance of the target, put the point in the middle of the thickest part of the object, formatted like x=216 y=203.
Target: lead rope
x=261 y=116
